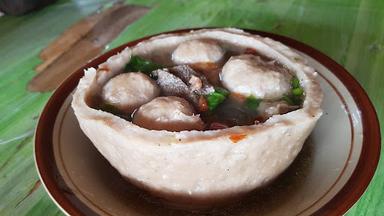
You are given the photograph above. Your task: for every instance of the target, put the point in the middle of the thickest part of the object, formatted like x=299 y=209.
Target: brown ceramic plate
x=327 y=178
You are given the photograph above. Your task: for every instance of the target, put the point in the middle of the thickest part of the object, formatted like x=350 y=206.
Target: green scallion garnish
x=215 y=98
x=298 y=91
x=139 y=64
x=295 y=97
x=295 y=82
x=252 y=102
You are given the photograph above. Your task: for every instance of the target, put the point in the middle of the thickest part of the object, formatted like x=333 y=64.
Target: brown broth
x=233 y=111
x=230 y=113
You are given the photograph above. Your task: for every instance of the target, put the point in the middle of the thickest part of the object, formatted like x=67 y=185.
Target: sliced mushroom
x=183 y=81
x=170 y=84
x=193 y=78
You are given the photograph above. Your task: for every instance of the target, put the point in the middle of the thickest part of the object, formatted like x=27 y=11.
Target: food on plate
x=200 y=116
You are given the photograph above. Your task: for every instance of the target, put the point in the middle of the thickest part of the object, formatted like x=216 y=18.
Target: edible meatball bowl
x=81 y=182
x=198 y=166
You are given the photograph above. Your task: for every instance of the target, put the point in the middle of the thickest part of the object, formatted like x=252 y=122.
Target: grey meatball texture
x=198 y=51
x=168 y=113
x=250 y=75
x=128 y=91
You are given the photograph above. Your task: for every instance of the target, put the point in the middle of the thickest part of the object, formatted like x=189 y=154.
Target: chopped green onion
x=215 y=98
x=292 y=99
x=295 y=97
x=295 y=83
x=297 y=100
x=288 y=99
x=297 y=91
x=252 y=102
x=139 y=64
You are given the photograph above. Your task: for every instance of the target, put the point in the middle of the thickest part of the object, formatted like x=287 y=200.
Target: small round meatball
x=248 y=75
x=168 y=113
x=197 y=51
x=128 y=91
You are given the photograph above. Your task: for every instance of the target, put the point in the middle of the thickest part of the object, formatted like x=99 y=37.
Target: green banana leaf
x=349 y=31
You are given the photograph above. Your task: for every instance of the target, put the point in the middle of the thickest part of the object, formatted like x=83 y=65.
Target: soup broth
x=201 y=85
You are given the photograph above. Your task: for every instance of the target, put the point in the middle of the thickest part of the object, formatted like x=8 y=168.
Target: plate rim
x=339 y=204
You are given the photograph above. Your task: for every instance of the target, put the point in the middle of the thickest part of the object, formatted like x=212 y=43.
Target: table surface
x=351 y=32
